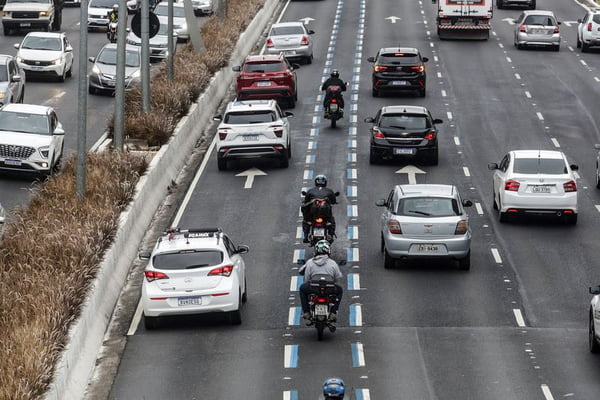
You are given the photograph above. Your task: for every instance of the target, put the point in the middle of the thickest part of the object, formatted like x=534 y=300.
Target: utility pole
x=170 y=47
x=119 y=125
x=145 y=76
x=82 y=102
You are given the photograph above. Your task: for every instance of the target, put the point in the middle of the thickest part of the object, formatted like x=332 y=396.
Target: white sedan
x=535 y=182
x=45 y=52
x=179 y=22
x=193 y=271
x=594 y=320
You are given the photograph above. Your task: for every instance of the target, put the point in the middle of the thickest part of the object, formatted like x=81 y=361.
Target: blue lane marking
x=361 y=394
x=294 y=356
x=350 y=254
x=300 y=281
x=350 y=286
x=297 y=314
x=314 y=132
x=350 y=157
x=355 y=357
x=309 y=174
x=310 y=159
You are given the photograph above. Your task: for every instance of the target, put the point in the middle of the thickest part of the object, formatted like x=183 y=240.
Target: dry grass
x=48 y=256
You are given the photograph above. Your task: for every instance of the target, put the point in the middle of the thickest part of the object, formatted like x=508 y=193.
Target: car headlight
x=44 y=13
x=96 y=70
x=56 y=62
x=44 y=151
x=133 y=42
x=177 y=26
x=2 y=95
x=19 y=59
x=136 y=74
x=5 y=13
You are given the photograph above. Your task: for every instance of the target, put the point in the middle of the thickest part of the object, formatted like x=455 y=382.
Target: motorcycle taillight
x=321 y=300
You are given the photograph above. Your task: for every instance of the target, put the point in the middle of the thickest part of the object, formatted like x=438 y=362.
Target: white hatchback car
x=253 y=129
x=46 y=52
x=292 y=39
x=588 y=31
x=535 y=182
x=594 y=320
x=193 y=271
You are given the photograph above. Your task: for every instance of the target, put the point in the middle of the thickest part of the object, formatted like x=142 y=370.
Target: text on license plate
x=319 y=232
x=428 y=247
x=403 y=151
x=189 y=301
x=16 y=163
x=289 y=52
x=320 y=309
x=399 y=83
x=25 y=24
x=250 y=137
x=540 y=189
x=263 y=83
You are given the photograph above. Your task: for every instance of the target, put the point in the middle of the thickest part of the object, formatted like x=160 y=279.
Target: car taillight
x=154 y=275
x=461 y=227
x=511 y=186
x=589 y=27
x=522 y=28
x=222 y=134
x=430 y=136
x=269 y=42
x=223 y=271
x=379 y=68
x=377 y=134
x=556 y=29
x=418 y=68
x=570 y=186
x=394 y=227
x=304 y=41
x=277 y=130
x=279 y=76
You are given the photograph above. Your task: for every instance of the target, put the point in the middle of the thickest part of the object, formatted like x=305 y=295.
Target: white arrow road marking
x=569 y=23
x=393 y=19
x=412 y=172
x=511 y=21
x=250 y=174
x=306 y=20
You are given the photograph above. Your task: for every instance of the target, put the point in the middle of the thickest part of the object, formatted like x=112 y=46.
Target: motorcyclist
x=320 y=191
x=333 y=388
x=320 y=264
x=334 y=80
x=113 y=15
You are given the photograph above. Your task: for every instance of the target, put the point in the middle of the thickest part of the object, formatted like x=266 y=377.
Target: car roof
x=399 y=50
x=4 y=58
x=181 y=239
x=291 y=23
x=46 y=34
x=127 y=47
x=267 y=104
x=28 y=108
x=538 y=153
x=263 y=57
x=404 y=109
x=538 y=12
x=419 y=190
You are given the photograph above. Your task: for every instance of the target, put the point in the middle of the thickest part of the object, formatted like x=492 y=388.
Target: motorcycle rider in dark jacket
x=334 y=80
x=320 y=191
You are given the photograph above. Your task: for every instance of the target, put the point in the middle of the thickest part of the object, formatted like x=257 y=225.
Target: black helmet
x=321 y=180
x=335 y=73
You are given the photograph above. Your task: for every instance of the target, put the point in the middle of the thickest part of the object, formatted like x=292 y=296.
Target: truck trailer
x=464 y=19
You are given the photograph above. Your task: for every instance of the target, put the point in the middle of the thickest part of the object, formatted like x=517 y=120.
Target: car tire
x=433 y=157
x=70 y=71
x=289 y=150
x=22 y=98
x=422 y=92
x=578 y=43
x=494 y=205
x=151 y=323
x=291 y=102
x=556 y=47
x=91 y=90
x=6 y=30
x=309 y=59
x=464 y=264
x=584 y=47
x=235 y=316
x=571 y=219
x=245 y=294
x=597 y=179
x=373 y=158
x=502 y=216
x=221 y=164
x=375 y=92
x=382 y=246
x=533 y=5
x=284 y=161
x=61 y=78
x=593 y=342
x=388 y=261
x=499 y=4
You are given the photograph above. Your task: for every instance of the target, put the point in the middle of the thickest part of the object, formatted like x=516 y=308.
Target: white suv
x=594 y=320
x=193 y=271
x=535 y=182
x=588 y=31
x=253 y=129
x=31 y=138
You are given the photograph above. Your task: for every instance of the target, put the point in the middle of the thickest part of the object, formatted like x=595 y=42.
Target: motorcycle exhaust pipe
x=558 y=213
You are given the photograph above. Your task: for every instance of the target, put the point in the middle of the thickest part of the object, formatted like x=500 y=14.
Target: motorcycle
x=111 y=33
x=320 y=227
x=333 y=109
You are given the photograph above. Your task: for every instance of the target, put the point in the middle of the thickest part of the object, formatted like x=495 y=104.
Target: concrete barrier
x=86 y=334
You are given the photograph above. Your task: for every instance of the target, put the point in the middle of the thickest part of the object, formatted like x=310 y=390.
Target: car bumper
x=26 y=23
x=106 y=84
x=591 y=41
x=538 y=204
x=390 y=151
x=37 y=166
x=400 y=246
x=296 y=52
x=97 y=22
x=168 y=303
x=201 y=9
x=398 y=84
x=263 y=150
x=538 y=40
x=270 y=93
x=43 y=69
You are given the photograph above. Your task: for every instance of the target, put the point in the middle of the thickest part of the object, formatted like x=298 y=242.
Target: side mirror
x=595 y=290
x=311 y=32
x=438 y=121
x=371 y=59
x=574 y=167
x=266 y=34
x=342 y=262
x=492 y=166
x=237 y=68
x=92 y=59
x=558 y=22
x=16 y=78
x=288 y=114
x=370 y=120
x=295 y=66
x=380 y=203
x=337 y=194
x=301 y=261
x=16 y=46
x=242 y=249
x=425 y=59
x=303 y=193
x=144 y=255
x=467 y=203
x=68 y=49
x=597 y=146
x=218 y=117
x=579 y=20
x=59 y=130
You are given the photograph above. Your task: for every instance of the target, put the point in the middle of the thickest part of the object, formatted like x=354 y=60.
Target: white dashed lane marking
x=540 y=116
x=555 y=142
x=466 y=171
x=597 y=79
x=527 y=94
x=583 y=62
x=519 y=317
x=517 y=76
x=449 y=114
x=444 y=93
x=508 y=59
x=457 y=140
x=597 y=207
x=547 y=393
x=496 y=255
x=479 y=208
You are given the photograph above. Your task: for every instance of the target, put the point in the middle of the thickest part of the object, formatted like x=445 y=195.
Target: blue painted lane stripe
x=353 y=282
x=290 y=356
x=352 y=232
x=290 y=395
x=314 y=132
x=294 y=316
x=352 y=211
x=352 y=254
x=358 y=355
x=356 y=315
x=362 y=394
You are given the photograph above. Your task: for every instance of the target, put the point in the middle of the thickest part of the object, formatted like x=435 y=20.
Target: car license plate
x=319 y=232
x=189 y=301
x=320 y=309
x=428 y=247
x=403 y=151
x=25 y=24
x=538 y=31
x=15 y=163
x=289 y=53
x=249 y=138
x=263 y=83
x=540 y=189
x=400 y=83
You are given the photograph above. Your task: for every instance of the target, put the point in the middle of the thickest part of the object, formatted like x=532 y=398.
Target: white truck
x=27 y=14
x=464 y=19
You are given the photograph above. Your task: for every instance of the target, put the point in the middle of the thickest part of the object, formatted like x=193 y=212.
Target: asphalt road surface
x=513 y=328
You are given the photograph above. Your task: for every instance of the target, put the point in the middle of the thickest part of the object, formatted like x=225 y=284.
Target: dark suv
x=505 y=3
x=400 y=131
x=267 y=77
x=398 y=69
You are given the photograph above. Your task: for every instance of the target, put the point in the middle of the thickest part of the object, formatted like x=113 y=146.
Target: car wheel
x=375 y=92
x=221 y=163
x=499 y=4
x=373 y=158
x=502 y=216
x=594 y=345
x=556 y=47
x=465 y=263
x=578 y=42
x=6 y=30
x=597 y=178
x=309 y=59
x=571 y=219
x=296 y=95
x=433 y=158
x=91 y=90
x=235 y=316
x=151 y=323
x=289 y=150
x=284 y=161
x=22 y=98
x=245 y=295
x=382 y=247
x=61 y=78
x=533 y=5
x=388 y=261
x=422 y=92
x=70 y=71
x=584 y=47
x=291 y=102
x=494 y=205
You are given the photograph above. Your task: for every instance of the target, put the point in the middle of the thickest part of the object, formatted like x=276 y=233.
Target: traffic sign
x=153 y=24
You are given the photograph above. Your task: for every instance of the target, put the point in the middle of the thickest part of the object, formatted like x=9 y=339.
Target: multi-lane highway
x=513 y=328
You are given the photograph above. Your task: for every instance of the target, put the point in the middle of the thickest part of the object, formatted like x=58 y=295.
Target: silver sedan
x=425 y=222
x=179 y=22
x=537 y=28
x=292 y=39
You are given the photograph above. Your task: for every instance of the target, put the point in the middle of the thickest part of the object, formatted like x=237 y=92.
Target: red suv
x=267 y=77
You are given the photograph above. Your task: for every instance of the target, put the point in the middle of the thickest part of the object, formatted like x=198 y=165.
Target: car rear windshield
x=187 y=259
x=24 y=122
x=596 y=18
x=250 y=117
x=274 y=66
x=543 y=20
x=552 y=166
x=398 y=58
x=405 y=121
x=287 y=30
x=163 y=10
x=428 y=207
x=102 y=3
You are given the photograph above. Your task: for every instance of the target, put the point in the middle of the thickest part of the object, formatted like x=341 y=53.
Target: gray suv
x=12 y=81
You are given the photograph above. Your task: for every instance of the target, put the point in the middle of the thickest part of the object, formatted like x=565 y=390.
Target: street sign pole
x=145 y=57
x=82 y=102
x=119 y=125
x=170 y=47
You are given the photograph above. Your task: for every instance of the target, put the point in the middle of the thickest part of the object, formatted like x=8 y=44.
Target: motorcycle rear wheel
x=320 y=328
x=333 y=122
